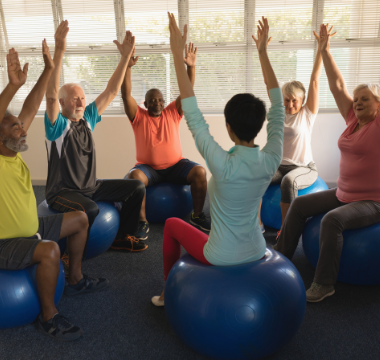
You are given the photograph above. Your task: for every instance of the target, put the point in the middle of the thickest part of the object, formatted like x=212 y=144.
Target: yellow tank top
x=18 y=208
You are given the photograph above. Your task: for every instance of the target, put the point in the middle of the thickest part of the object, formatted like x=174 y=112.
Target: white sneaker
x=157 y=302
x=262 y=228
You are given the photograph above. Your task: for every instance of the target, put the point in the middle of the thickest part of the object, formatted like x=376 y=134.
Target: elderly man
x=158 y=145
x=26 y=239
x=72 y=183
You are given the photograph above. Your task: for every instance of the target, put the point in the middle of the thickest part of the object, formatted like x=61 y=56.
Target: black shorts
x=176 y=174
x=17 y=253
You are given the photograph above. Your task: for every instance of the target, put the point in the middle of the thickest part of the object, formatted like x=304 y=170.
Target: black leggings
x=129 y=192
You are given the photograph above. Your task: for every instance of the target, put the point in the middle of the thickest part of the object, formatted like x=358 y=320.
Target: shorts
x=17 y=253
x=176 y=174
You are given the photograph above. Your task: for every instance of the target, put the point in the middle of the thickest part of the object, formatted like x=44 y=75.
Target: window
x=227 y=59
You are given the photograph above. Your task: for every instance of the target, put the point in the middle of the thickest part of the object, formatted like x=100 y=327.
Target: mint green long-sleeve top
x=239 y=180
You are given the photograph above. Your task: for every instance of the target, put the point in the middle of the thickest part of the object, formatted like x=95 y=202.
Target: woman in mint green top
x=239 y=176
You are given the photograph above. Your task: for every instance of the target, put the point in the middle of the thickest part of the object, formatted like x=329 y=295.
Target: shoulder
x=141 y=114
x=91 y=115
x=351 y=117
x=53 y=132
x=172 y=111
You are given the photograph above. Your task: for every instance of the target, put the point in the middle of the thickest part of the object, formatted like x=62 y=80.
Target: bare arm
x=17 y=78
x=52 y=101
x=336 y=82
x=312 y=101
x=265 y=80
x=33 y=100
x=130 y=104
x=114 y=83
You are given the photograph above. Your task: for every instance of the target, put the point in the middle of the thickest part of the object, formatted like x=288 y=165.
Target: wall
x=115 y=146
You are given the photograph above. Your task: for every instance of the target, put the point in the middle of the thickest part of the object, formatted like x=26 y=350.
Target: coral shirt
x=359 y=171
x=157 y=138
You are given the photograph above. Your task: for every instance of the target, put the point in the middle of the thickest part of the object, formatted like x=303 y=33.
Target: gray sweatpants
x=340 y=216
x=294 y=178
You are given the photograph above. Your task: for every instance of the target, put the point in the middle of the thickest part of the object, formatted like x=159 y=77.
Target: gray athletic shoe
x=86 y=285
x=317 y=292
x=59 y=328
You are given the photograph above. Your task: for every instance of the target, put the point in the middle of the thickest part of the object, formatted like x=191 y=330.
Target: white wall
x=115 y=146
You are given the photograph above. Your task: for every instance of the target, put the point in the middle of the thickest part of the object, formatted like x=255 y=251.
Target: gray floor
x=121 y=323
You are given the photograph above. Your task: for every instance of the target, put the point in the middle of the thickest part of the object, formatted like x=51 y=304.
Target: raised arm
x=33 y=100
x=190 y=61
x=126 y=49
x=17 y=78
x=336 y=82
x=312 y=101
x=255 y=40
x=52 y=101
x=130 y=104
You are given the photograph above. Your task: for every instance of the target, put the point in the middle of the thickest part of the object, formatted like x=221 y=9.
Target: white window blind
x=227 y=58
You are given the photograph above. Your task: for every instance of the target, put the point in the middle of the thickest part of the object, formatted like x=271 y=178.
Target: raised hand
x=190 y=55
x=60 y=36
x=126 y=48
x=133 y=59
x=317 y=37
x=177 y=41
x=324 y=38
x=49 y=63
x=262 y=40
x=17 y=77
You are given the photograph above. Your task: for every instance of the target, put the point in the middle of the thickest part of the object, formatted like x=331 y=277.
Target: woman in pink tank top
x=355 y=203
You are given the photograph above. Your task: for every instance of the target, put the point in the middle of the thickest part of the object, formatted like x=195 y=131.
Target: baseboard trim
x=39 y=182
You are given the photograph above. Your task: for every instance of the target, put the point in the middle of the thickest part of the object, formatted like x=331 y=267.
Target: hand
x=49 y=63
x=317 y=37
x=262 y=40
x=126 y=48
x=177 y=41
x=60 y=36
x=190 y=55
x=324 y=38
x=133 y=59
x=17 y=77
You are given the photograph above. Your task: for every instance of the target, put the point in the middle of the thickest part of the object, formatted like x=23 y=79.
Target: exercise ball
x=103 y=230
x=19 y=300
x=246 y=311
x=270 y=208
x=167 y=200
x=359 y=261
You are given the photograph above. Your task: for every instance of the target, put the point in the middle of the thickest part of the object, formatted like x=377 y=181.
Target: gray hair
x=294 y=88
x=7 y=113
x=373 y=88
x=62 y=93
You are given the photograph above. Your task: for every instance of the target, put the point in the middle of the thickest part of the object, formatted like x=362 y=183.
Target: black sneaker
x=86 y=285
x=129 y=244
x=201 y=221
x=142 y=231
x=59 y=328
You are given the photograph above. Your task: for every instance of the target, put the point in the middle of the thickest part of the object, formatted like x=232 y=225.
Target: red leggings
x=177 y=233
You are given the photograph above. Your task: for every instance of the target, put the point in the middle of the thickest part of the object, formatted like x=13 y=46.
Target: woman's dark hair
x=246 y=114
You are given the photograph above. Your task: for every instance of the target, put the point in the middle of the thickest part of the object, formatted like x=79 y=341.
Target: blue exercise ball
x=246 y=311
x=103 y=230
x=167 y=200
x=19 y=300
x=270 y=208
x=359 y=261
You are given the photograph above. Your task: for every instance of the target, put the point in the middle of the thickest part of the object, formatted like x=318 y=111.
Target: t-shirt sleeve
x=310 y=117
x=53 y=132
x=172 y=111
x=91 y=115
x=140 y=114
x=210 y=150
x=351 y=117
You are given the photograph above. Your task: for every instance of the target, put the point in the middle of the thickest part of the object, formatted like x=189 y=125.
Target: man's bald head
x=73 y=102
x=154 y=102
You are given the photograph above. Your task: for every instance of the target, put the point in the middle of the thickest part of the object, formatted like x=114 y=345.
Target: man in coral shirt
x=158 y=145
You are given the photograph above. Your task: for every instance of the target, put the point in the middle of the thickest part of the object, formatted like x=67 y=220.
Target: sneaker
x=201 y=221
x=65 y=262
x=59 y=328
x=142 y=231
x=86 y=285
x=157 y=302
x=129 y=244
x=262 y=228
x=317 y=292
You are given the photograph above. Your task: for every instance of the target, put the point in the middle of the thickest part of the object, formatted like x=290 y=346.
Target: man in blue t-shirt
x=71 y=183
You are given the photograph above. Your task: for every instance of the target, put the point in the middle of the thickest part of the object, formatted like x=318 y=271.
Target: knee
x=199 y=174
x=330 y=220
x=288 y=190
x=50 y=251
x=81 y=220
x=137 y=175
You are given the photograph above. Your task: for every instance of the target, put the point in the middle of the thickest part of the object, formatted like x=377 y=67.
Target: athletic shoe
x=65 y=262
x=157 y=302
x=129 y=244
x=317 y=292
x=86 y=285
x=262 y=228
x=142 y=231
x=201 y=221
x=278 y=234
x=59 y=328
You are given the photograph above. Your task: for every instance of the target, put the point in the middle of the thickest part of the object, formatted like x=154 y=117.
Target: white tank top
x=297 y=138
